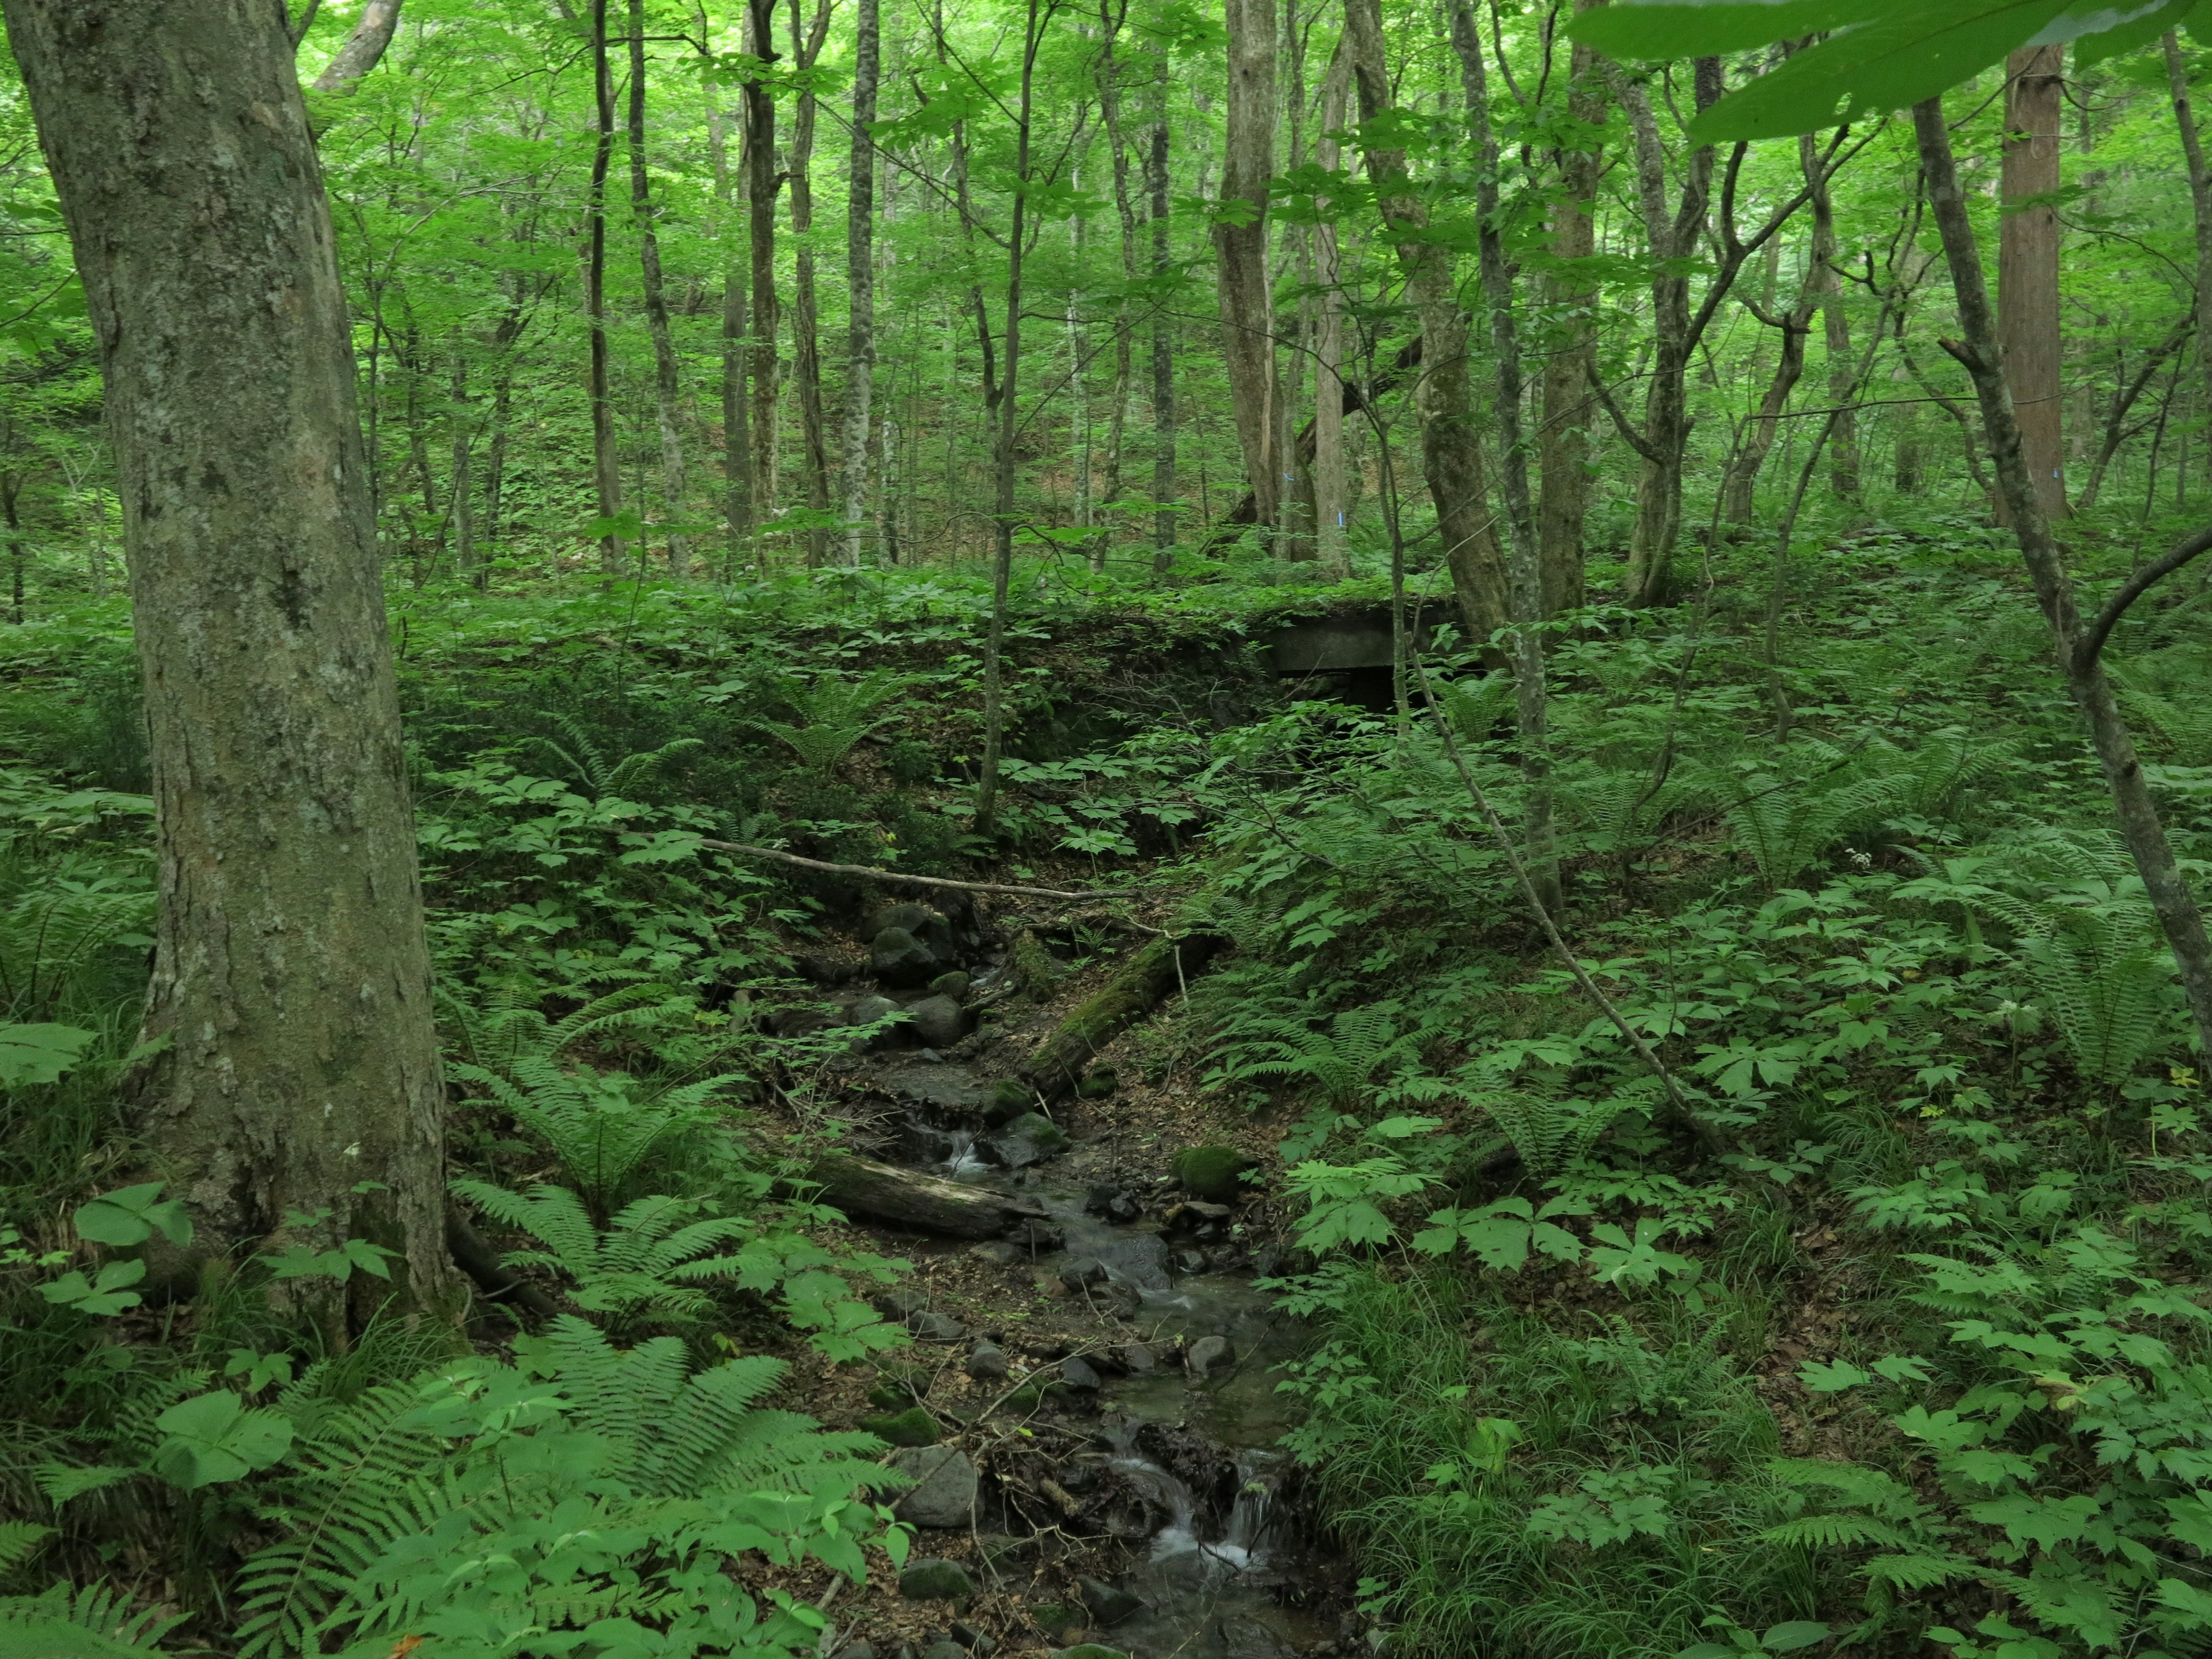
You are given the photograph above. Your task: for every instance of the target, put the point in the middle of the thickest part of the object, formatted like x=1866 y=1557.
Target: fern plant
x=95 y=1622
x=834 y=714
x=602 y=778
x=511 y=1510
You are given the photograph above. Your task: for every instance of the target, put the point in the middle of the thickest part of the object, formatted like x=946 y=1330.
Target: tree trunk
x=363 y=48
x=2028 y=266
x=860 y=278
x=2124 y=399
x=667 y=389
x=291 y=983
x=761 y=182
x=1984 y=358
x=606 y=462
x=1562 y=442
x=1004 y=439
x=1762 y=428
x=1836 y=330
x=1331 y=510
x=1525 y=572
x=1125 y=208
x=1444 y=399
x=1163 y=406
x=1245 y=285
x=1671 y=238
x=737 y=423
x=464 y=498
x=2200 y=201
x=805 y=319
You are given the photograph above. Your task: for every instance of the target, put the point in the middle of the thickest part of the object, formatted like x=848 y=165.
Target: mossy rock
x=936 y=1581
x=1098 y=1086
x=1029 y=1398
x=1052 y=1618
x=891 y=1396
x=1010 y=1098
x=1212 y=1172
x=1033 y=968
x=911 y=1427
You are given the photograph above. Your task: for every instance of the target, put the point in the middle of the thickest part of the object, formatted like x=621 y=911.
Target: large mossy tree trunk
x=291 y=990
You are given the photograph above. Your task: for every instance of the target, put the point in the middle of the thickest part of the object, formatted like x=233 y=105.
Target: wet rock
x=953 y=985
x=1029 y=1138
x=897 y=958
x=1078 y=1376
x=1037 y=1239
x=936 y=1581
x=1107 y=1606
x=986 y=1361
x=935 y=1327
x=1209 y=1354
x=999 y=1250
x=944 y=1494
x=870 y=1009
x=1137 y=1358
x=940 y=1022
x=1116 y=1204
x=1248 y=1637
x=911 y=1427
x=1197 y=1216
x=1081 y=1271
x=1117 y=1300
x=1190 y=1261
x=924 y=923
x=1212 y=1172
x=1009 y=1100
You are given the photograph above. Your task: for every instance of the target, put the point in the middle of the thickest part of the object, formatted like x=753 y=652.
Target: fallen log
x=883 y=1192
x=1162 y=967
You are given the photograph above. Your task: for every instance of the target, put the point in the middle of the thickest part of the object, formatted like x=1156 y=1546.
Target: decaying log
x=883 y=1192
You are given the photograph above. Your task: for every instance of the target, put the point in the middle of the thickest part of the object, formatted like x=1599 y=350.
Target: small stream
x=1220 y=1569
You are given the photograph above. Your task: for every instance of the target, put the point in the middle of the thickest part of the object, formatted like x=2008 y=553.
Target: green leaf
x=2119 y=41
x=131 y=1215
x=1653 y=29
x=1832 y=1377
x=1797 y=1633
x=39 y=1053
x=212 y=1437
x=98 y=1297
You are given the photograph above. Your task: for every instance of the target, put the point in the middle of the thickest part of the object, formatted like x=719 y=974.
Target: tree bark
x=805 y=318
x=464 y=498
x=1163 y=405
x=291 y=983
x=1562 y=441
x=667 y=389
x=1450 y=458
x=1245 y=285
x=1983 y=355
x=363 y=48
x=1836 y=331
x=1331 y=510
x=761 y=182
x=737 y=423
x=860 y=277
x=606 y=461
x=1125 y=209
x=2028 y=266
x=2200 y=202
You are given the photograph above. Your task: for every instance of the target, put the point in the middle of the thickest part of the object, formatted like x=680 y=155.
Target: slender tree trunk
x=291 y=1059
x=2200 y=201
x=606 y=462
x=1765 y=424
x=2028 y=266
x=1125 y=208
x=761 y=182
x=1163 y=404
x=861 y=278
x=465 y=527
x=1836 y=331
x=1002 y=446
x=1671 y=238
x=737 y=423
x=1562 y=441
x=1079 y=372
x=1983 y=355
x=1525 y=571
x=1450 y=455
x=806 y=318
x=363 y=48
x=1331 y=509
x=667 y=389
x=1245 y=285
x=11 y=496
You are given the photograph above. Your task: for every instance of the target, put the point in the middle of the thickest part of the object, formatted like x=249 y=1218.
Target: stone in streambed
x=1081 y=1271
x=1213 y=1172
x=1079 y=1376
x=986 y=1360
x=897 y=958
x=936 y=1581
x=1109 y=1605
x=1137 y=1358
x=939 y=1022
x=1208 y=1355
x=944 y=1493
x=953 y=985
x=1029 y=1138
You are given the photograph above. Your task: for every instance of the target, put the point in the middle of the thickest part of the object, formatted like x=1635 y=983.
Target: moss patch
x=1213 y=1172
x=911 y=1427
